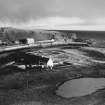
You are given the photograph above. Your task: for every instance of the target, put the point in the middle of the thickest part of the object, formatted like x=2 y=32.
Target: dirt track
x=38 y=88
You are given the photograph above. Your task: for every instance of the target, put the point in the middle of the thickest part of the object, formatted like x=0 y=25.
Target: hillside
x=9 y=34
x=97 y=35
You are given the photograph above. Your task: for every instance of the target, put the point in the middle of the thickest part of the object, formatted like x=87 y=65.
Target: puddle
x=80 y=87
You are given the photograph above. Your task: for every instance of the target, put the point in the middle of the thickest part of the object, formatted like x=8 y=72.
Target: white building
x=16 y=42
x=30 y=41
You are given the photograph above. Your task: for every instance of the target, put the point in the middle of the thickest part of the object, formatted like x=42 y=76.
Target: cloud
x=66 y=23
x=22 y=10
x=99 y=21
x=48 y=22
x=58 y=23
x=83 y=27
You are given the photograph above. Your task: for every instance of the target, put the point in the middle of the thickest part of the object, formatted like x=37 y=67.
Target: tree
x=73 y=36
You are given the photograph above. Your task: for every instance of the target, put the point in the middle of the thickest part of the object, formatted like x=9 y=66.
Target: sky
x=53 y=14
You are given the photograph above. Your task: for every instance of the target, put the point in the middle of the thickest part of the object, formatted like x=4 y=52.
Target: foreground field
x=33 y=87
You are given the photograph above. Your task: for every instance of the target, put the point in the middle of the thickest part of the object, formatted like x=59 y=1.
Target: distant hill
x=97 y=35
x=9 y=34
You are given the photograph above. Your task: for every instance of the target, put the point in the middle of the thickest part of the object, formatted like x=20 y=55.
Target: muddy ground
x=34 y=87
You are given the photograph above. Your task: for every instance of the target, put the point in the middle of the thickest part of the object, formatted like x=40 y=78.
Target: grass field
x=33 y=87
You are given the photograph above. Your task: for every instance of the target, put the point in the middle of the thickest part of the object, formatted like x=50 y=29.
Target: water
x=80 y=87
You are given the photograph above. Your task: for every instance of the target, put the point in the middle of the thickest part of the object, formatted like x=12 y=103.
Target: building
x=25 y=41
x=22 y=41
x=30 y=41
